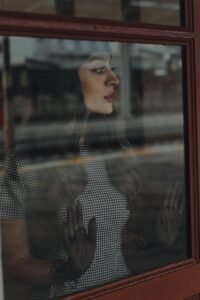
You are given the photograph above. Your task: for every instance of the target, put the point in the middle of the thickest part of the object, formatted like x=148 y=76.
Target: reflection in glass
x=93 y=174
x=151 y=11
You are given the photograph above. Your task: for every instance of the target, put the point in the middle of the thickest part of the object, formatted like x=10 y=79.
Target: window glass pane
x=147 y=11
x=92 y=178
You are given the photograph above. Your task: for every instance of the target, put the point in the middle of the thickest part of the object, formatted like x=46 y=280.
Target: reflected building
x=146 y=65
x=150 y=81
x=151 y=11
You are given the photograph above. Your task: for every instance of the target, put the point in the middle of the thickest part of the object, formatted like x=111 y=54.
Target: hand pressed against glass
x=171 y=215
x=79 y=244
x=98 y=84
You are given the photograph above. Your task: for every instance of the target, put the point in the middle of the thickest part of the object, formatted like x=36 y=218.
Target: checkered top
x=99 y=199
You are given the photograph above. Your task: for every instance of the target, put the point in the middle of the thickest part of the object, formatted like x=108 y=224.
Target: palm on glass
x=80 y=245
x=170 y=217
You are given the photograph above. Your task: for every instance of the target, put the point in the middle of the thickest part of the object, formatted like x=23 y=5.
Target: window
x=138 y=150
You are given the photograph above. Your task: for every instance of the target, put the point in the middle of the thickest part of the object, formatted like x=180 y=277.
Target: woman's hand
x=170 y=216
x=80 y=245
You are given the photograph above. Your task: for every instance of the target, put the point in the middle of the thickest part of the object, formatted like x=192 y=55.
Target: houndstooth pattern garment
x=99 y=199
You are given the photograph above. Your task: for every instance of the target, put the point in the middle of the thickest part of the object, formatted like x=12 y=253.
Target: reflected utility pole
x=8 y=126
x=7 y=99
x=125 y=87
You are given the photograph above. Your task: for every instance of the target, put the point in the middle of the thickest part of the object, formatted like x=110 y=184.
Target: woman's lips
x=111 y=97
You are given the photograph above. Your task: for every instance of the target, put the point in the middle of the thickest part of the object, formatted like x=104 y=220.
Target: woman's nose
x=112 y=78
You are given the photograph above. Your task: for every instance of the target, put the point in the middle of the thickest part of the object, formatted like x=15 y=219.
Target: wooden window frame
x=179 y=280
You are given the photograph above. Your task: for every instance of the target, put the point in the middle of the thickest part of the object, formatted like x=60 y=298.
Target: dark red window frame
x=180 y=280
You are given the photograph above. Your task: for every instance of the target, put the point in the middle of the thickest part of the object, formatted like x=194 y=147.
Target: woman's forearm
x=31 y=271
x=18 y=260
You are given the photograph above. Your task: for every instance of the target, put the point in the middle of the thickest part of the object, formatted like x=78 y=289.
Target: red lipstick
x=111 y=97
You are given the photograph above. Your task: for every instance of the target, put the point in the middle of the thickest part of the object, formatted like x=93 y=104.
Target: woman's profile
x=62 y=226
x=63 y=223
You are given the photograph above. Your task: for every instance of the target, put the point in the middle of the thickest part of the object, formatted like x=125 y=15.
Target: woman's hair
x=101 y=132
x=104 y=139
x=48 y=77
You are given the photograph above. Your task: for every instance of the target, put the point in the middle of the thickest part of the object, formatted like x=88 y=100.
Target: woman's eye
x=100 y=70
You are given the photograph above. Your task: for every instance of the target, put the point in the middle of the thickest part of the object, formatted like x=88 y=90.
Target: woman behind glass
x=62 y=226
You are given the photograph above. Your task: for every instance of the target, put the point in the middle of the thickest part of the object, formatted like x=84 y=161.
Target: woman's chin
x=102 y=112
x=106 y=111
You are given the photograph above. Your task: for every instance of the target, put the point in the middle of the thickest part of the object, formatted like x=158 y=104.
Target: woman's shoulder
x=11 y=189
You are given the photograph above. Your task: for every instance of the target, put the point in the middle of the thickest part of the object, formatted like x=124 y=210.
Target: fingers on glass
x=70 y=225
x=76 y=232
x=74 y=219
x=92 y=229
x=174 y=197
x=79 y=213
x=67 y=239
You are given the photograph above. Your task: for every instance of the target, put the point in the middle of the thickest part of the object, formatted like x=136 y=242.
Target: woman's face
x=98 y=84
